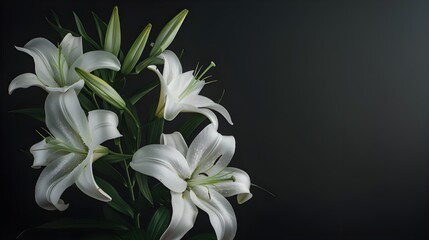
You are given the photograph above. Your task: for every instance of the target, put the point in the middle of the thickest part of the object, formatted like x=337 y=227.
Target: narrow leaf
x=158 y=223
x=115 y=216
x=145 y=89
x=155 y=128
x=101 y=28
x=103 y=168
x=117 y=203
x=161 y=194
x=36 y=113
x=87 y=104
x=83 y=33
x=112 y=158
x=148 y=61
x=142 y=182
x=191 y=124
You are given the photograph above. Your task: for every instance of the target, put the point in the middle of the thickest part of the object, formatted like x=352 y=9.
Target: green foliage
x=158 y=223
x=117 y=203
x=36 y=113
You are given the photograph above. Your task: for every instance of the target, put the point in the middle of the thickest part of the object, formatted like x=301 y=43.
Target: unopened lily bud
x=168 y=33
x=112 y=41
x=136 y=50
x=102 y=89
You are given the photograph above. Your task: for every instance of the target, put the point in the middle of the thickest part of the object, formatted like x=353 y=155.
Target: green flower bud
x=168 y=33
x=102 y=89
x=136 y=50
x=112 y=41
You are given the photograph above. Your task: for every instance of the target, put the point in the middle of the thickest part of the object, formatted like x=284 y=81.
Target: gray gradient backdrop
x=330 y=101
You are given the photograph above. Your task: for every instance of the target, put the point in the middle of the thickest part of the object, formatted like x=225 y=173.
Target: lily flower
x=197 y=176
x=180 y=92
x=70 y=150
x=55 y=66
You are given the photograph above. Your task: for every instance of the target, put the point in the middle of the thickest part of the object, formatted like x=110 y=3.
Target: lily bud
x=168 y=33
x=112 y=41
x=136 y=50
x=102 y=89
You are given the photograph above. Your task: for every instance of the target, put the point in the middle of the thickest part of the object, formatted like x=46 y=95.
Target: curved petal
x=176 y=141
x=24 y=81
x=172 y=108
x=172 y=66
x=86 y=182
x=210 y=152
x=204 y=102
x=163 y=163
x=66 y=120
x=43 y=154
x=77 y=86
x=181 y=84
x=220 y=211
x=240 y=186
x=71 y=48
x=45 y=54
x=184 y=214
x=55 y=179
x=91 y=61
x=206 y=112
x=103 y=126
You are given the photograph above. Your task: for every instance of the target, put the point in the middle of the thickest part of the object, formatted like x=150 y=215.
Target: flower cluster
x=85 y=107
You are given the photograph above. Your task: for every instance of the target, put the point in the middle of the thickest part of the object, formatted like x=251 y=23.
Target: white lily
x=197 y=176
x=180 y=92
x=70 y=150
x=55 y=66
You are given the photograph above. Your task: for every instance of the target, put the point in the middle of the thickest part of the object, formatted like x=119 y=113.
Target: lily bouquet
x=144 y=169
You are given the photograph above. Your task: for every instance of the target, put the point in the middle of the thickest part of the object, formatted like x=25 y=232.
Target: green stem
x=129 y=184
x=127 y=156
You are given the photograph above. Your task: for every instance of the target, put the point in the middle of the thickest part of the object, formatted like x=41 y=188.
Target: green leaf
x=136 y=50
x=112 y=41
x=82 y=224
x=115 y=216
x=113 y=158
x=36 y=113
x=158 y=223
x=83 y=33
x=161 y=194
x=155 y=128
x=148 y=61
x=204 y=236
x=191 y=124
x=145 y=89
x=142 y=183
x=117 y=203
x=168 y=33
x=101 y=28
x=103 y=168
x=87 y=104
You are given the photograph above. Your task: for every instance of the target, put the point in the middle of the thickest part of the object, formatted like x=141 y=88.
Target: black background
x=330 y=101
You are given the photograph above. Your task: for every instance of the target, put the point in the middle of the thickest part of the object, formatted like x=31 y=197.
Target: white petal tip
x=244 y=197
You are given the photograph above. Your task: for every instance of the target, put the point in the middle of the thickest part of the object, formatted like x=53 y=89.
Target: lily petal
x=206 y=112
x=176 y=141
x=55 y=179
x=77 y=86
x=220 y=211
x=91 y=61
x=42 y=154
x=66 y=120
x=71 y=48
x=204 y=102
x=210 y=152
x=184 y=214
x=172 y=108
x=24 y=81
x=240 y=186
x=44 y=54
x=103 y=126
x=86 y=182
x=163 y=163
x=172 y=66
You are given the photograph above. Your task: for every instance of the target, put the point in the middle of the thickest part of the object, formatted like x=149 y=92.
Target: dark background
x=330 y=101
